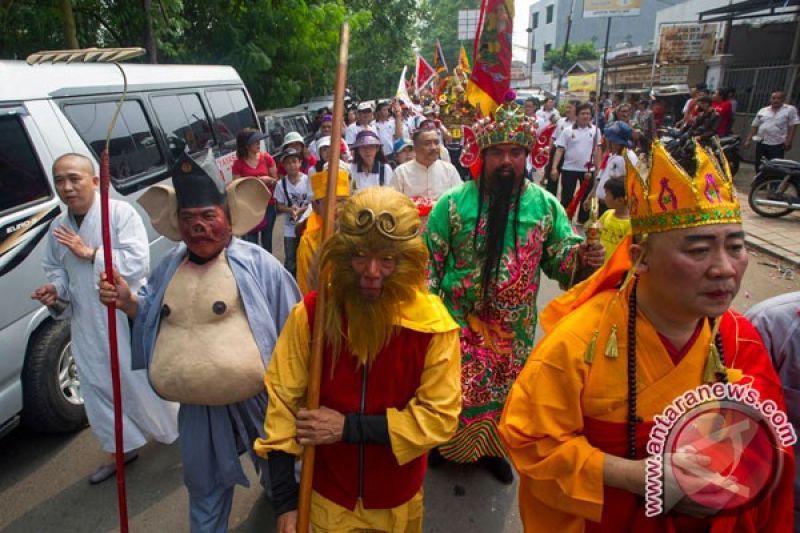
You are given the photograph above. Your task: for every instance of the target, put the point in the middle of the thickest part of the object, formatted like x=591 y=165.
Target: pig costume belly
x=205 y=352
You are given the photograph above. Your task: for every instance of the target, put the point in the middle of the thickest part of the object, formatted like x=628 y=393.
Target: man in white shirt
x=773 y=129
x=547 y=114
x=565 y=122
x=385 y=126
x=579 y=147
x=364 y=121
x=427 y=177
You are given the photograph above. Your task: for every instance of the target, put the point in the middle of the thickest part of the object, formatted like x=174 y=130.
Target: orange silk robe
x=306 y=249
x=563 y=415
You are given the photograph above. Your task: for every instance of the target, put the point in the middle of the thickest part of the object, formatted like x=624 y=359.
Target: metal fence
x=754 y=84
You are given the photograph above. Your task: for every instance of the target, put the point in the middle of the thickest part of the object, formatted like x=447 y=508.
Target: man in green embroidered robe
x=489 y=239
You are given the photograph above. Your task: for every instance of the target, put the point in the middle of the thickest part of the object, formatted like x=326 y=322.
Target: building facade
x=548 y=22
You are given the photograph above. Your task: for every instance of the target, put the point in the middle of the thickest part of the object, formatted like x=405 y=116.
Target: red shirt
x=725 y=112
x=265 y=162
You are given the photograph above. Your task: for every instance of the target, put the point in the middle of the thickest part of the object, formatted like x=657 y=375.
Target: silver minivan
x=48 y=110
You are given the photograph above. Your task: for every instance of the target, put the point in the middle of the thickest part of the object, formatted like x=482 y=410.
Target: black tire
x=766 y=188
x=46 y=407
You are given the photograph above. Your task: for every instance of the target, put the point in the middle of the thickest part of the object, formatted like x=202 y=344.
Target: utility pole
x=564 y=52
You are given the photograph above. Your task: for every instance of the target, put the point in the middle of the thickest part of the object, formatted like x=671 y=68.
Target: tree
x=575 y=52
x=284 y=50
x=70 y=37
x=381 y=45
x=439 y=21
x=148 y=36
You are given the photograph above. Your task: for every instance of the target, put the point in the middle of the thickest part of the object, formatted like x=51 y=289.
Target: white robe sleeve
x=131 y=248
x=56 y=272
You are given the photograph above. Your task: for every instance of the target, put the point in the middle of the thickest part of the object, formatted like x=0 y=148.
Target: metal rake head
x=85 y=55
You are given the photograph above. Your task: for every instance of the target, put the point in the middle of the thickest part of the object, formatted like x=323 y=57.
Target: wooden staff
x=318 y=340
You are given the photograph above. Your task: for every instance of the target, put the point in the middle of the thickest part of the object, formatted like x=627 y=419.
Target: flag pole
x=318 y=340
x=113 y=56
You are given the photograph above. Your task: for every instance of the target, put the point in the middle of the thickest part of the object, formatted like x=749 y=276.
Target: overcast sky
x=520 y=23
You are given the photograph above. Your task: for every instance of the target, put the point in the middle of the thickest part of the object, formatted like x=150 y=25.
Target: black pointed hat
x=194 y=186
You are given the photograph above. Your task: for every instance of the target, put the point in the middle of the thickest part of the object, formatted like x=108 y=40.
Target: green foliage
x=575 y=52
x=284 y=50
x=381 y=45
x=439 y=20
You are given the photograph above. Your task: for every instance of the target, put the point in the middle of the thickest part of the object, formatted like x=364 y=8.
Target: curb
x=768 y=248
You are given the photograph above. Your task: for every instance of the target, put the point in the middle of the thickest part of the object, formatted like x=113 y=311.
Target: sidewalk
x=779 y=237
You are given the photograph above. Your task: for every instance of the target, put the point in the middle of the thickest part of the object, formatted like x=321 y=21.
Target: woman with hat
x=251 y=162
x=370 y=168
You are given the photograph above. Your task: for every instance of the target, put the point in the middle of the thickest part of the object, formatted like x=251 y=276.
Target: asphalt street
x=44 y=488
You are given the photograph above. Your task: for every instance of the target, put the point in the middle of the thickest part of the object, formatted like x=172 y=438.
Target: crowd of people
x=430 y=287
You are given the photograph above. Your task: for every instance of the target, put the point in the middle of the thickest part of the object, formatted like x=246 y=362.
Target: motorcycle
x=672 y=138
x=730 y=147
x=776 y=188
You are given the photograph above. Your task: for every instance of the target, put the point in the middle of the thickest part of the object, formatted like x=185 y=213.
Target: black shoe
x=435 y=458
x=500 y=469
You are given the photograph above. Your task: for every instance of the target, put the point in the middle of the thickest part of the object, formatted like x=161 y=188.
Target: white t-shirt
x=615 y=168
x=578 y=144
x=299 y=196
x=562 y=124
x=352 y=131
x=543 y=118
x=386 y=135
x=362 y=180
x=773 y=126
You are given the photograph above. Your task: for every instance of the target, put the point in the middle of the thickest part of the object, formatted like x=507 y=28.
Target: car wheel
x=51 y=390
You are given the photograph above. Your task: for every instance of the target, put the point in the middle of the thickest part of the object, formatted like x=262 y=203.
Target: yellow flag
x=463 y=60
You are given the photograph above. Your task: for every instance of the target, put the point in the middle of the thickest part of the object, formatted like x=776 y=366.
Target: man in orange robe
x=621 y=346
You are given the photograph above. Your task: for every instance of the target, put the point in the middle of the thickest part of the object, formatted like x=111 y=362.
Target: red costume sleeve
x=747 y=353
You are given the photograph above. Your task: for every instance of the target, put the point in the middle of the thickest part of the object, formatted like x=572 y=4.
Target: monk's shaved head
x=83 y=162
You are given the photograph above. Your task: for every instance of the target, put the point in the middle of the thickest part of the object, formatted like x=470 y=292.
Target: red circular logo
x=722 y=455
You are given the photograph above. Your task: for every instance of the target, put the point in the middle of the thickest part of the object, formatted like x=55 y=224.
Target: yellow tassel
x=714 y=367
x=588 y=356
x=611 y=345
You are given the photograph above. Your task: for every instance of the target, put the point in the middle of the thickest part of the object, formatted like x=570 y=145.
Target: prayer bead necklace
x=632 y=416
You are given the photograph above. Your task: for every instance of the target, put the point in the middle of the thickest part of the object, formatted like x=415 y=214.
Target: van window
x=183 y=116
x=231 y=113
x=22 y=180
x=133 y=150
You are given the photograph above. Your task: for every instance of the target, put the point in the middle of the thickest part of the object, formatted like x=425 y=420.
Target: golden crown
x=509 y=125
x=668 y=198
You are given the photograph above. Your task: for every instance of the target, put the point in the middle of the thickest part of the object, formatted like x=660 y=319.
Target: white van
x=48 y=110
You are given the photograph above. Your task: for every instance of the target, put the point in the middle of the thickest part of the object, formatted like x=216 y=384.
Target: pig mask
x=200 y=212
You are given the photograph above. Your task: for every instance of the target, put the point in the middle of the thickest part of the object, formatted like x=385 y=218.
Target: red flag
x=539 y=153
x=439 y=63
x=424 y=73
x=491 y=71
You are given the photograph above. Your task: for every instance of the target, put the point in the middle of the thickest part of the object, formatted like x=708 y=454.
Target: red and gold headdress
x=509 y=125
x=668 y=198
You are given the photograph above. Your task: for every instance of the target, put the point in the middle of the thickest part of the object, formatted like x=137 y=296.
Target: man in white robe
x=73 y=261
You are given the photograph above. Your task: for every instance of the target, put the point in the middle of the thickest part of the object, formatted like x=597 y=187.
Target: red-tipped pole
x=113 y=350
